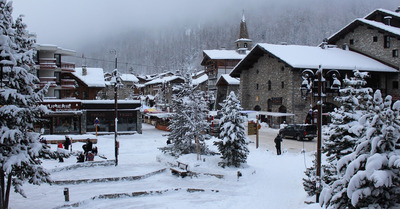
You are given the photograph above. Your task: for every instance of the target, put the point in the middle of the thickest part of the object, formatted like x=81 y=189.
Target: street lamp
x=116 y=84
x=305 y=89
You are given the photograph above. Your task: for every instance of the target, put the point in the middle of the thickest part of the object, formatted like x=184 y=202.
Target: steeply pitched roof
x=298 y=56
x=243 y=33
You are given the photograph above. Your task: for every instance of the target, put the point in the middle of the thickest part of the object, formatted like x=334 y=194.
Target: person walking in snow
x=278 y=140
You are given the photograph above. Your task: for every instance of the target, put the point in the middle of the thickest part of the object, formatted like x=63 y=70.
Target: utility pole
x=319 y=124
x=116 y=144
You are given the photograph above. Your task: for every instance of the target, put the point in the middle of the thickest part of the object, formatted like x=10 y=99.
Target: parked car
x=299 y=131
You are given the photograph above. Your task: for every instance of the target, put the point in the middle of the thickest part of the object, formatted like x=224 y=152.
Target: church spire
x=244 y=42
x=243 y=33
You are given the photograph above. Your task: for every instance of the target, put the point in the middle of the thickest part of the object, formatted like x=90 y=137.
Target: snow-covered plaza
x=267 y=181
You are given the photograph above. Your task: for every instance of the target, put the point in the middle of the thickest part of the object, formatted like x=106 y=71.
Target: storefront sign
x=64 y=106
x=276 y=100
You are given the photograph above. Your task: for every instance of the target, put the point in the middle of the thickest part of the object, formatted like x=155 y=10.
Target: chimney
x=387 y=20
x=84 y=70
x=398 y=9
x=324 y=43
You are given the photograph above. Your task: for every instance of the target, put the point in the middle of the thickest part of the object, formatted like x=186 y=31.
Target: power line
x=126 y=63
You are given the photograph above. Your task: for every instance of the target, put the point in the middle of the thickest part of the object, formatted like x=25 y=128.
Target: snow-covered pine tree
x=233 y=144
x=20 y=148
x=189 y=120
x=342 y=134
x=369 y=177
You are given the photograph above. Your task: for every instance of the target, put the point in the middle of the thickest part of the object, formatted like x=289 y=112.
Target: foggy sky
x=71 y=23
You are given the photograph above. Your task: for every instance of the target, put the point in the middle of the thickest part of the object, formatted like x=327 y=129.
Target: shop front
x=102 y=114
x=65 y=117
x=82 y=116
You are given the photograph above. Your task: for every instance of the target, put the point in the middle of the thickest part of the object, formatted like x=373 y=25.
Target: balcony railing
x=67 y=67
x=68 y=84
x=47 y=63
x=46 y=80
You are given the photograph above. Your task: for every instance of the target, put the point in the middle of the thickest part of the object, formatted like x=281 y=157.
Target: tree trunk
x=7 y=195
x=2 y=189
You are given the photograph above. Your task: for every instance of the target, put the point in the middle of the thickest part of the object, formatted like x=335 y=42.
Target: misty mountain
x=178 y=46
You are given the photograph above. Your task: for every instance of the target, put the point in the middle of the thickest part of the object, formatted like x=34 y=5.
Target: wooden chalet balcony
x=46 y=80
x=68 y=84
x=47 y=63
x=67 y=67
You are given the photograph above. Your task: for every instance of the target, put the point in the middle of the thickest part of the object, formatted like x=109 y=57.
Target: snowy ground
x=268 y=181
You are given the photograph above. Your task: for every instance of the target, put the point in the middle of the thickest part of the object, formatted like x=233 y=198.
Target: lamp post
x=115 y=75
x=305 y=89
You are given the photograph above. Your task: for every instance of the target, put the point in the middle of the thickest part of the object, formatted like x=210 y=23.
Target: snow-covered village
x=200 y=104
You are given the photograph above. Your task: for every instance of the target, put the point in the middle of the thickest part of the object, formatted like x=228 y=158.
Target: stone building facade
x=271 y=77
x=377 y=36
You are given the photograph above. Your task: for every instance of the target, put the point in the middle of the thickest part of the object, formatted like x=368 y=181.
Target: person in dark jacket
x=67 y=142
x=88 y=146
x=278 y=140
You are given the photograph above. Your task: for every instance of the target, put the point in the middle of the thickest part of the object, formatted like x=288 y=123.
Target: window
x=395 y=85
x=282 y=68
x=283 y=84
x=386 y=42
x=395 y=53
x=258 y=71
x=269 y=85
x=375 y=39
x=58 y=59
x=257 y=98
x=57 y=94
x=245 y=45
x=257 y=86
x=351 y=41
x=58 y=77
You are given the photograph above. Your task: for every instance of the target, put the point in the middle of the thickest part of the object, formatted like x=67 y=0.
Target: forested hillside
x=179 y=46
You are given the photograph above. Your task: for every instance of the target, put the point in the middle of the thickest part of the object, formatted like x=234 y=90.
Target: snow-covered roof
x=200 y=80
x=55 y=49
x=163 y=80
x=382 y=26
x=129 y=77
x=299 y=56
x=244 y=39
x=224 y=54
x=94 y=77
x=395 y=14
x=229 y=79
x=110 y=101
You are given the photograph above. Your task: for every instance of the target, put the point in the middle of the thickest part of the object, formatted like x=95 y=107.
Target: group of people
x=88 y=152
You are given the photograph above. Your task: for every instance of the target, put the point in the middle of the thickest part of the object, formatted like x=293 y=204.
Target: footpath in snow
x=267 y=181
